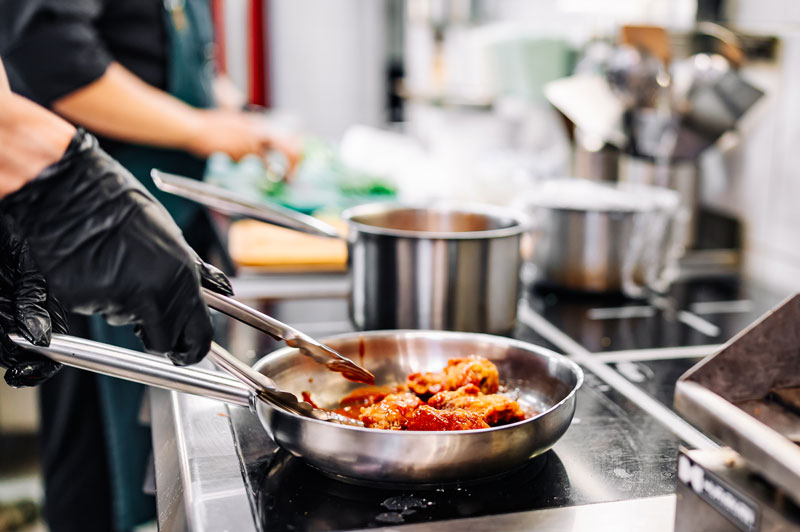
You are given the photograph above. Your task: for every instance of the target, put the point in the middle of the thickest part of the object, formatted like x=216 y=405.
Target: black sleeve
x=55 y=47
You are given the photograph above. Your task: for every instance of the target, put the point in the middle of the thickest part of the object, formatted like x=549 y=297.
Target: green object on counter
x=322 y=180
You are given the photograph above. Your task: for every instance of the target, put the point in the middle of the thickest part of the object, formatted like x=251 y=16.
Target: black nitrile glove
x=26 y=309
x=105 y=245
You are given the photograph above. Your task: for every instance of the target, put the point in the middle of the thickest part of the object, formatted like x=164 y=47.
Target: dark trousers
x=77 y=489
x=74 y=448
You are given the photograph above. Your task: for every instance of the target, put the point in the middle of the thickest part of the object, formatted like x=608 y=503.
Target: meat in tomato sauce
x=463 y=396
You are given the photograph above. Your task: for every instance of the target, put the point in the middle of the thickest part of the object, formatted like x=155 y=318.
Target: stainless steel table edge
x=283 y=286
x=654 y=514
x=199 y=481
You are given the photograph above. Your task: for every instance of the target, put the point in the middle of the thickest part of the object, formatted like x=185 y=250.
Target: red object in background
x=259 y=71
x=257 y=46
x=218 y=18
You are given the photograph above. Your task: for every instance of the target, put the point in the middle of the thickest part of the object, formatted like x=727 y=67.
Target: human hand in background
x=27 y=309
x=239 y=133
x=105 y=245
x=226 y=131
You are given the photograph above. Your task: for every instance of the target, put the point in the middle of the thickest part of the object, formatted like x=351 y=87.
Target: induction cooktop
x=615 y=449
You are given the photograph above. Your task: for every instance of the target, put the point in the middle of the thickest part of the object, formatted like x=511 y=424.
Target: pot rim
x=519 y=221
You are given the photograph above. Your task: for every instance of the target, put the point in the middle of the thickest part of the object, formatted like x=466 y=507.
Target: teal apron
x=190 y=75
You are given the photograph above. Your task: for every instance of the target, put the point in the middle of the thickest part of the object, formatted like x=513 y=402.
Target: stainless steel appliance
x=718 y=490
x=747 y=395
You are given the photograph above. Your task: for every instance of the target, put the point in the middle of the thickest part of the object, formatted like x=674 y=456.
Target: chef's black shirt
x=54 y=47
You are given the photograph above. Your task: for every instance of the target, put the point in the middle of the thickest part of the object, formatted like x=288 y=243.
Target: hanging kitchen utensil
x=590 y=103
x=636 y=76
x=281 y=331
x=716 y=98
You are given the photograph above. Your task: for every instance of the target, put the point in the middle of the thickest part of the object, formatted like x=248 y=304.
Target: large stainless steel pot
x=601 y=238
x=438 y=266
x=447 y=268
x=543 y=380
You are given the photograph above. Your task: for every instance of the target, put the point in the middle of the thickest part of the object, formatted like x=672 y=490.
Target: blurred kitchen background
x=463 y=81
x=454 y=99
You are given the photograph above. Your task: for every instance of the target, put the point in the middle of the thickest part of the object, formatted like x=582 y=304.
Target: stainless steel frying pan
x=542 y=380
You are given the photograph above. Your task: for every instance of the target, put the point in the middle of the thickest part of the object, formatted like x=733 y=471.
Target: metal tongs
x=248 y=387
x=266 y=390
x=294 y=338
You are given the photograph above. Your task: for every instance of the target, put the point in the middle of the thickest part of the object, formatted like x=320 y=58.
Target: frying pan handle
x=142 y=368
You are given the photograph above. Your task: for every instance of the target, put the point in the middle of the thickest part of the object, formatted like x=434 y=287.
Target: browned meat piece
x=428 y=418
x=393 y=412
x=351 y=404
x=459 y=372
x=495 y=409
x=369 y=395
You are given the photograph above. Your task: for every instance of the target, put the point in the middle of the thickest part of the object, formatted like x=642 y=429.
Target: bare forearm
x=121 y=106
x=4 y=88
x=31 y=138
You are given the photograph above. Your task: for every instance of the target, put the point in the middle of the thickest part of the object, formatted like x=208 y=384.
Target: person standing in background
x=140 y=75
x=74 y=222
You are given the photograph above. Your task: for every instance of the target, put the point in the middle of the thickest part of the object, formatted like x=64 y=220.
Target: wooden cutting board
x=255 y=244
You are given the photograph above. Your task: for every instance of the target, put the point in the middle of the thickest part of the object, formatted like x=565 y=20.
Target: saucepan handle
x=142 y=368
x=632 y=260
x=676 y=229
x=230 y=203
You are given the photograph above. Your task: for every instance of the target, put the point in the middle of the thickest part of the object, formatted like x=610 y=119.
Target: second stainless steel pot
x=584 y=250
x=445 y=268
x=593 y=237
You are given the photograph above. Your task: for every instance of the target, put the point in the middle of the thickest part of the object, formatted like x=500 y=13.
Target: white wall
x=235 y=16
x=328 y=62
x=764 y=169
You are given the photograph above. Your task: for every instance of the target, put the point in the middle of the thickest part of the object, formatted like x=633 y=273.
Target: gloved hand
x=26 y=309
x=105 y=245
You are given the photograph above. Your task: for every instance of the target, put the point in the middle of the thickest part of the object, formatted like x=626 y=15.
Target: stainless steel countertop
x=199 y=482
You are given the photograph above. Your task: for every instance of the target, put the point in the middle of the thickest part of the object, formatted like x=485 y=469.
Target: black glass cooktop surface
x=612 y=451
x=699 y=312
